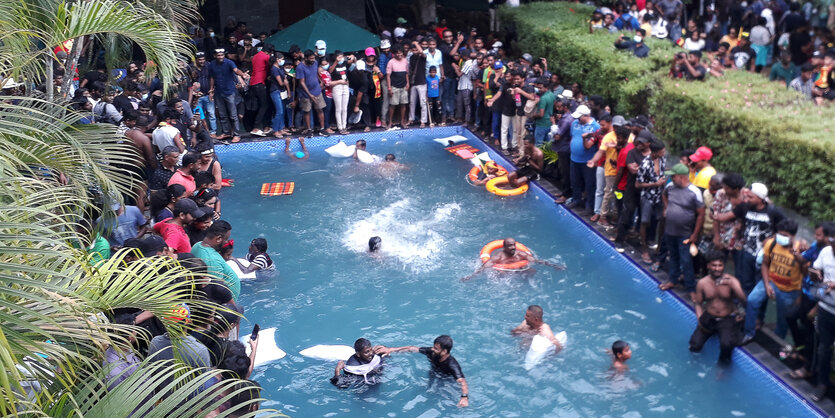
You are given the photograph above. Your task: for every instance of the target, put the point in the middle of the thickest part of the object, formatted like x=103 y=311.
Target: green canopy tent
x=337 y=33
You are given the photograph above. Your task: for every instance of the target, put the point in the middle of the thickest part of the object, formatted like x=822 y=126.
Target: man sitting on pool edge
x=509 y=255
x=530 y=164
x=442 y=362
x=364 y=362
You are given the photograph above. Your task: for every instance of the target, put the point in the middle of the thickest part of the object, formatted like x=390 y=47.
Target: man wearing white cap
x=583 y=177
x=760 y=220
x=321 y=48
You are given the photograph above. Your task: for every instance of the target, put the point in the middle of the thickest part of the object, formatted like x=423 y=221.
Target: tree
x=425 y=11
x=53 y=327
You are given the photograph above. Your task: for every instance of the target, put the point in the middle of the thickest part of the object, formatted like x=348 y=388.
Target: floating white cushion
x=329 y=352
x=455 y=139
x=267 y=349
x=238 y=271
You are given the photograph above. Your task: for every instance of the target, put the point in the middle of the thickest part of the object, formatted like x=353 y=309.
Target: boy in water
x=621 y=352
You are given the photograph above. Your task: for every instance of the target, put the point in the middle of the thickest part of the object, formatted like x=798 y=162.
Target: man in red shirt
x=257 y=83
x=173 y=230
x=185 y=174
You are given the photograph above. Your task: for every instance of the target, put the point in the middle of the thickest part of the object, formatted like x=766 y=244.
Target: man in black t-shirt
x=631 y=195
x=442 y=362
x=743 y=55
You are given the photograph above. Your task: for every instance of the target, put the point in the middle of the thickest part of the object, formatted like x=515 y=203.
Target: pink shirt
x=260 y=68
x=183 y=180
x=396 y=65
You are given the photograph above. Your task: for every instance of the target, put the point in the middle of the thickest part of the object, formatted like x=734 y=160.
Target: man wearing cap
x=310 y=92
x=223 y=87
x=321 y=48
x=636 y=44
x=702 y=171
x=400 y=30
x=684 y=211
x=383 y=60
x=760 y=220
x=583 y=178
x=610 y=146
x=743 y=55
x=173 y=230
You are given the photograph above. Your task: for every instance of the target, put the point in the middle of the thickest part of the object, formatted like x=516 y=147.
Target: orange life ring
x=226 y=182
x=491 y=246
x=472 y=176
x=493 y=187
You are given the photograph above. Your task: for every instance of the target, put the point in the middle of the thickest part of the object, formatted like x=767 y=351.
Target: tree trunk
x=70 y=66
x=425 y=11
x=50 y=75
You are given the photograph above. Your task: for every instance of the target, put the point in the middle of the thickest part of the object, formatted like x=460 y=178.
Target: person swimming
x=534 y=325
x=509 y=255
x=298 y=155
x=374 y=244
x=365 y=362
x=359 y=146
x=621 y=353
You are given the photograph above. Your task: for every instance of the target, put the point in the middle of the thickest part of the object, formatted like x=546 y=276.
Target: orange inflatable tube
x=472 y=176
x=493 y=184
x=492 y=246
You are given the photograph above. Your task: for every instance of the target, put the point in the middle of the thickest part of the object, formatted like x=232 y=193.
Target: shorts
x=649 y=209
x=306 y=103
x=529 y=172
x=399 y=96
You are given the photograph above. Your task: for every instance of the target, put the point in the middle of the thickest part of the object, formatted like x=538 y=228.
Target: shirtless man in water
x=508 y=255
x=715 y=308
x=530 y=164
x=533 y=325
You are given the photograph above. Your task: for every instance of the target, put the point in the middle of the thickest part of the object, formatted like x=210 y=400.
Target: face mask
x=637 y=39
x=326 y=66
x=352 y=67
x=280 y=62
x=211 y=34
x=783 y=240
x=145 y=97
x=341 y=61
x=536 y=90
x=258 y=49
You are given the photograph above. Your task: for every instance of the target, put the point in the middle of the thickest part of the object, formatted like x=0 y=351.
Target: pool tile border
x=741 y=357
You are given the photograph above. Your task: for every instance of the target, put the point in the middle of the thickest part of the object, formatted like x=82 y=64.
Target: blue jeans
x=278 y=119
x=681 y=262
x=540 y=134
x=496 y=123
x=289 y=113
x=227 y=113
x=583 y=179
x=749 y=273
x=478 y=104
x=448 y=88
x=756 y=304
x=208 y=107
x=328 y=111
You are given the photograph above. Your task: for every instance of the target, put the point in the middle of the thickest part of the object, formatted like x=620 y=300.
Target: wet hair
x=260 y=244
x=733 y=180
x=714 y=256
x=190 y=158
x=390 y=157
x=828 y=228
x=787 y=225
x=361 y=344
x=618 y=347
x=218 y=229
x=203 y=178
x=235 y=361
x=445 y=341
x=536 y=310
x=161 y=198
x=374 y=244
x=360 y=142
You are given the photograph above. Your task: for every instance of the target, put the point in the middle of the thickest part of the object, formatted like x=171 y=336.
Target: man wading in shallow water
x=715 y=308
x=509 y=255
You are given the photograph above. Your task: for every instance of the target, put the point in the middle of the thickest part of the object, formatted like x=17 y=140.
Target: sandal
x=646 y=259
x=236 y=139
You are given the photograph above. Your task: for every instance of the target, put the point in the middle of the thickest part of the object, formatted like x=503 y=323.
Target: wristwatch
x=464 y=395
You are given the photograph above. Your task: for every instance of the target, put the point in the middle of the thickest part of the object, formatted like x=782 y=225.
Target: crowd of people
x=612 y=168
x=792 y=40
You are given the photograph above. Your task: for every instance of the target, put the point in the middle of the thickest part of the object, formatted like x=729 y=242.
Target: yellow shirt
x=730 y=41
x=609 y=145
x=784 y=270
x=702 y=178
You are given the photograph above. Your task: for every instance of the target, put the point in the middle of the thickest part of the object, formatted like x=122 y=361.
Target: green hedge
x=754 y=126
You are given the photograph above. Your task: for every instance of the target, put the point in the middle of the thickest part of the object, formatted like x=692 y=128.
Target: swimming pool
x=433 y=225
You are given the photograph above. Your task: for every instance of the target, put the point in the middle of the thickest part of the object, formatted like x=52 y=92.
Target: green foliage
x=755 y=127
x=550 y=156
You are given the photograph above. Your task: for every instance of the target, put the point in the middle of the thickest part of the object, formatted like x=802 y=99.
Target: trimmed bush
x=754 y=126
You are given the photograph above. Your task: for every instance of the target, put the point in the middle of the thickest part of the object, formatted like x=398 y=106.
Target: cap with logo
x=581 y=110
x=385 y=44
x=760 y=190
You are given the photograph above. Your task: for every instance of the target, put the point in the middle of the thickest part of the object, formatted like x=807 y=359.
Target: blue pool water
x=433 y=224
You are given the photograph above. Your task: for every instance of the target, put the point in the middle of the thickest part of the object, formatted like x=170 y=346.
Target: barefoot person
x=509 y=255
x=715 y=308
x=533 y=325
x=442 y=362
x=530 y=164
